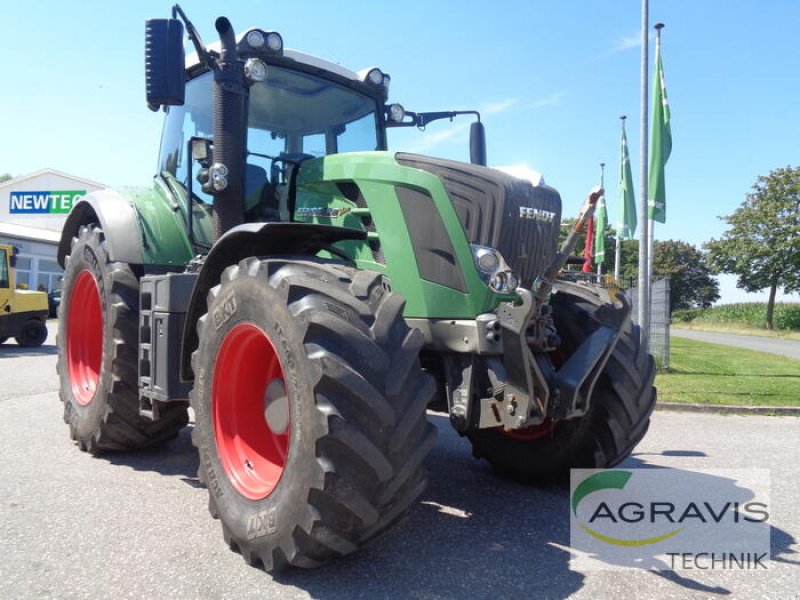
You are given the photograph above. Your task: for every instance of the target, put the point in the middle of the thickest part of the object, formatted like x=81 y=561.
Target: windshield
x=289 y=113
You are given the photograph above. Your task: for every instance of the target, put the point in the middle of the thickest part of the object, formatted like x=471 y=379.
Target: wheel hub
x=84 y=337
x=276 y=407
x=250 y=407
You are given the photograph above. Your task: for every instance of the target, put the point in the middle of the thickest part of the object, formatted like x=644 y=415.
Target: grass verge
x=736 y=328
x=706 y=373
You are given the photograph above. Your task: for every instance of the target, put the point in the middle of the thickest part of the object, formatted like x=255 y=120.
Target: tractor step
x=163 y=300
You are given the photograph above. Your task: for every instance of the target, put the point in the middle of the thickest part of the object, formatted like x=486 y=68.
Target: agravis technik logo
x=669 y=518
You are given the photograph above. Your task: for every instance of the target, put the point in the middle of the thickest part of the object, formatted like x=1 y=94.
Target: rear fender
x=141 y=226
x=118 y=218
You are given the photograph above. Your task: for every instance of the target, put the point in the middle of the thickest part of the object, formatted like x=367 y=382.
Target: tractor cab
x=299 y=107
x=284 y=107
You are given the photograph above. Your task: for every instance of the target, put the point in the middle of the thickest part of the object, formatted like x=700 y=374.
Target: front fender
x=253 y=239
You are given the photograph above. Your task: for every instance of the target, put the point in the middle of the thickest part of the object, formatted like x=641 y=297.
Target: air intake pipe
x=230 y=107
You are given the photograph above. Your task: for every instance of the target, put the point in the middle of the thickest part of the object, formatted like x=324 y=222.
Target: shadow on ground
x=472 y=535
x=10 y=348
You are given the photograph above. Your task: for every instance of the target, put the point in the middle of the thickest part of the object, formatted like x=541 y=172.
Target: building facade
x=33 y=209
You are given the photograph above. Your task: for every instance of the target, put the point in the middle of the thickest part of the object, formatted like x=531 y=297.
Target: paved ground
x=136 y=525
x=789 y=348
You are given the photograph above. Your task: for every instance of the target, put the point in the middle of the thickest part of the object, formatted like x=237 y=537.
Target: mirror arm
x=422 y=119
x=194 y=36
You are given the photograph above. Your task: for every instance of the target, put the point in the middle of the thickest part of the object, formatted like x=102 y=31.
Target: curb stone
x=727 y=409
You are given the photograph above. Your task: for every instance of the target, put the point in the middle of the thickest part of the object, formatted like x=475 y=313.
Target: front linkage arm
x=535 y=389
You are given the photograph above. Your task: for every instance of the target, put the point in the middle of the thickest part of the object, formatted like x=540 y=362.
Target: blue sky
x=550 y=77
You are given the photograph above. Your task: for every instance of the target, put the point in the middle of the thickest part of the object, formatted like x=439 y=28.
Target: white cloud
x=523 y=171
x=458 y=129
x=623 y=44
x=431 y=140
x=626 y=43
x=494 y=108
x=551 y=100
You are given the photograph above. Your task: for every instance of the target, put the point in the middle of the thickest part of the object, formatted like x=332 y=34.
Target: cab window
x=3 y=268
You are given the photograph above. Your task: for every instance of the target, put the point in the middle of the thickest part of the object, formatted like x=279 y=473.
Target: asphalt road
x=136 y=526
x=788 y=348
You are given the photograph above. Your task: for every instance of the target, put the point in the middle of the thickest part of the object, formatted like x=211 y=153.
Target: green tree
x=5 y=177
x=691 y=277
x=629 y=263
x=691 y=280
x=762 y=246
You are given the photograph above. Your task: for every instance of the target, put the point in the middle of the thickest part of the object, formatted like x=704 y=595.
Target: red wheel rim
x=250 y=408
x=530 y=434
x=84 y=337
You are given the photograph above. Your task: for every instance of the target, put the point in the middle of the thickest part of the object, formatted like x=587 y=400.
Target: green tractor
x=310 y=294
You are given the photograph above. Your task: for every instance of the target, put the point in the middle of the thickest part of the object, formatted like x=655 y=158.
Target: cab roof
x=193 y=61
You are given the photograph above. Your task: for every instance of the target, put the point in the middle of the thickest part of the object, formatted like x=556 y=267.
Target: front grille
x=498 y=210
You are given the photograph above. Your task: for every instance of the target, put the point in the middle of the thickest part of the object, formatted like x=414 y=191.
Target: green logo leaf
x=611 y=480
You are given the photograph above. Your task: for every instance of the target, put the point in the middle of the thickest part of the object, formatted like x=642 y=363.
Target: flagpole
x=602 y=187
x=644 y=238
x=618 y=247
x=651 y=222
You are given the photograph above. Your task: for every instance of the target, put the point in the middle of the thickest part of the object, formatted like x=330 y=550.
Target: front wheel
x=32 y=334
x=310 y=410
x=618 y=416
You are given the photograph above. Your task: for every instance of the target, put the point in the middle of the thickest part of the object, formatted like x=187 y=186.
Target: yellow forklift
x=23 y=313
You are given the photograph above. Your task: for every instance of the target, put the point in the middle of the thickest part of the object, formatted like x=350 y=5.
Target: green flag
x=626 y=222
x=600 y=232
x=661 y=145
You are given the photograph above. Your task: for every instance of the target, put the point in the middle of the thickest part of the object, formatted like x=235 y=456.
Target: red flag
x=588 y=247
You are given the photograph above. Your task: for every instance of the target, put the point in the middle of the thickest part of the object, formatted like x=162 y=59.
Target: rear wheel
x=98 y=353
x=310 y=410
x=618 y=417
x=33 y=333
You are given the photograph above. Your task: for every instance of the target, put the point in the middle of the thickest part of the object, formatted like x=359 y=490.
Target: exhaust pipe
x=229 y=106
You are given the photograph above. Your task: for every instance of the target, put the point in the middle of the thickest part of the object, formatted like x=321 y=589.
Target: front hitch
x=535 y=389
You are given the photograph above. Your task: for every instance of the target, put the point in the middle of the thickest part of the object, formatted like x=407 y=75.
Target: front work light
x=375 y=77
x=274 y=41
x=255 y=69
x=493 y=269
x=397 y=113
x=255 y=39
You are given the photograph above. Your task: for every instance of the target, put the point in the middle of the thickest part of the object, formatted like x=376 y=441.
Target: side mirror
x=13 y=258
x=164 y=62
x=477 y=144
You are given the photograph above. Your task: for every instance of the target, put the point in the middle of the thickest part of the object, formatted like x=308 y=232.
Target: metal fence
x=659 y=319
